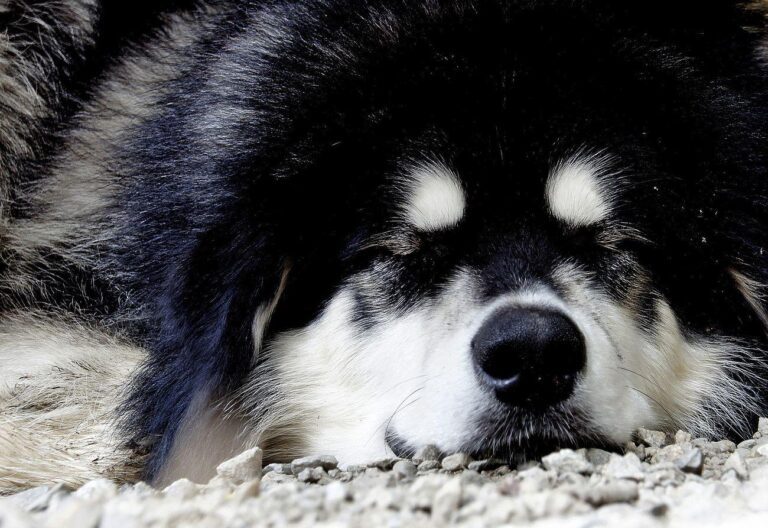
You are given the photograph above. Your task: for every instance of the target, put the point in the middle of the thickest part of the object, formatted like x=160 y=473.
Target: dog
x=359 y=228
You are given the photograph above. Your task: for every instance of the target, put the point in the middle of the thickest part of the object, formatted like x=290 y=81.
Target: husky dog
x=358 y=228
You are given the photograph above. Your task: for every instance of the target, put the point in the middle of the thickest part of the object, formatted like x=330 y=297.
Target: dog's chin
x=518 y=436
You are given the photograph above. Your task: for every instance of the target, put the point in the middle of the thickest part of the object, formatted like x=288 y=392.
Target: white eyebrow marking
x=575 y=192
x=435 y=199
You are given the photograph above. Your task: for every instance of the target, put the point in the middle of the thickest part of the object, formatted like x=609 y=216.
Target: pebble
x=652 y=438
x=244 y=467
x=670 y=453
x=736 y=463
x=429 y=465
x=282 y=469
x=614 y=492
x=428 y=452
x=447 y=500
x=534 y=480
x=456 y=462
x=314 y=474
x=624 y=467
x=691 y=462
x=385 y=464
x=719 y=447
x=598 y=457
x=567 y=460
x=404 y=469
x=762 y=426
x=688 y=482
x=326 y=462
x=639 y=450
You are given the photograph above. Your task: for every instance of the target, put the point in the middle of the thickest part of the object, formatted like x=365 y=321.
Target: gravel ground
x=658 y=481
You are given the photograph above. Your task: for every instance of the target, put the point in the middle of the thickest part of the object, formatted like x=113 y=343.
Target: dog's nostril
x=530 y=357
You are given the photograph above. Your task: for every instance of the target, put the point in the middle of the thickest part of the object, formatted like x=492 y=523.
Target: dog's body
x=363 y=227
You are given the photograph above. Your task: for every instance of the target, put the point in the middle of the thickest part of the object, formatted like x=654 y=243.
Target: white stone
x=567 y=460
x=447 y=500
x=456 y=462
x=626 y=467
x=242 y=468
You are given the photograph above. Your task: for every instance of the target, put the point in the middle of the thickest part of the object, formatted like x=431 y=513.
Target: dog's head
x=493 y=227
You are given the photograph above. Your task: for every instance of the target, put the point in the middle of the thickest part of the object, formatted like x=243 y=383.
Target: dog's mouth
x=518 y=437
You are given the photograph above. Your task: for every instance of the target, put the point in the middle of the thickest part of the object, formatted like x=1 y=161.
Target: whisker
x=385 y=425
x=672 y=418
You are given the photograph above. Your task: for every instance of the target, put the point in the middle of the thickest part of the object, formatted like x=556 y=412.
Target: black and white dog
x=359 y=227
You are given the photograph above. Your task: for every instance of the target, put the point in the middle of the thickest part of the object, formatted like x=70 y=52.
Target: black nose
x=529 y=357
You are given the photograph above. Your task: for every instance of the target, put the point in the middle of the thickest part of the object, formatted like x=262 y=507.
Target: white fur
x=754 y=294
x=59 y=388
x=657 y=377
x=577 y=191
x=331 y=388
x=435 y=199
x=208 y=436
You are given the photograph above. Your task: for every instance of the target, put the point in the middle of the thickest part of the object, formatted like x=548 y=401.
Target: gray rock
x=446 y=501
x=533 y=480
x=404 y=469
x=385 y=464
x=75 y=511
x=626 y=467
x=34 y=499
x=598 y=457
x=428 y=452
x=736 y=463
x=421 y=493
x=567 y=460
x=762 y=426
x=247 y=490
x=182 y=489
x=719 y=447
x=616 y=491
x=501 y=471
x=691 y=462
x=311 y=475
x=242 y=468
x=276 y=478
x=549 y=504
x=747 y=444
x=651 y=438
x=310 y=462
x=639 y=450
x=429 y=465
x=456 y=462
x=39 y=499
x=335 y=494
x=668 y=453
x=663 y=475
x=283 y=469
x=681 y=437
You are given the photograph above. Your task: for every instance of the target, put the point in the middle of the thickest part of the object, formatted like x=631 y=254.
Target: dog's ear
x=211 y=309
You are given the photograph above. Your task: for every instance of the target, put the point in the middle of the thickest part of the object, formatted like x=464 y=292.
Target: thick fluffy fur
x=282 y=223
